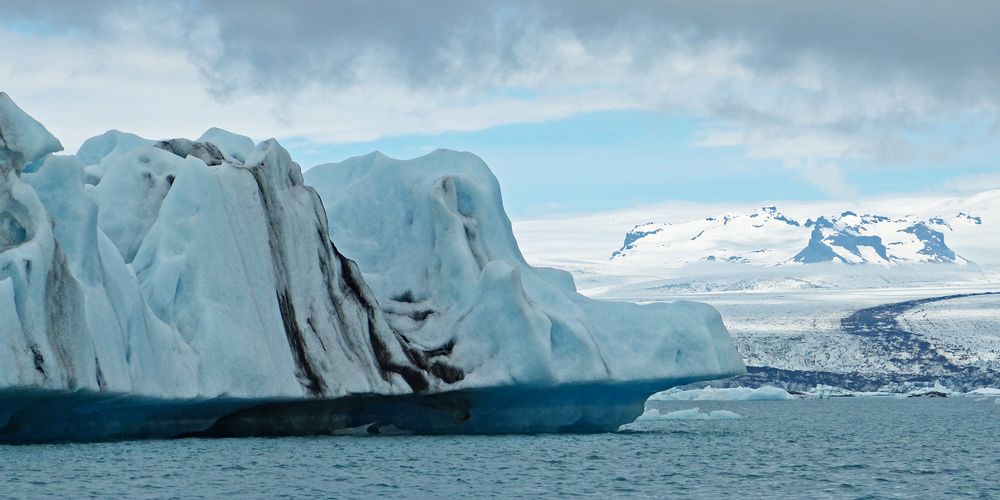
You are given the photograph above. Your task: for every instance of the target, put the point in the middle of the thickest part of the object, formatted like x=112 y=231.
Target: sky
x=578 y=106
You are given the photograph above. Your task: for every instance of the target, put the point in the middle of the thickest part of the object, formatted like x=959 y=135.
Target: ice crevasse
x=206 y=271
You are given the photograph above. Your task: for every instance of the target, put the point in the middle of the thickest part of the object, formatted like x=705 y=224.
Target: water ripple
x=855 y=448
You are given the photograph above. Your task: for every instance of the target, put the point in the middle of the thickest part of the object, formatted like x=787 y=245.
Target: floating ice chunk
x=986 y=391
x=765 y=393
x=181 y=273
x=936 y=391
x=822 y=391
x=652 y=419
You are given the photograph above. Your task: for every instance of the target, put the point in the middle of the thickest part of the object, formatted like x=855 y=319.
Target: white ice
x=439 y=253
x=985 y=391
x=652 y=419
x=765 y=393
x=205 y=268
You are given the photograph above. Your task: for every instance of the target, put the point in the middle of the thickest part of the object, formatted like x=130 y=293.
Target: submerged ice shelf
x=144 y=282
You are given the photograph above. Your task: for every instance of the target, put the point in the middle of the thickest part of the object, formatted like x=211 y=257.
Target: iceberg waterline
x=204 y=270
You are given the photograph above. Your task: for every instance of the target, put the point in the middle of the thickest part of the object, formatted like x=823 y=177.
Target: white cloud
x=967 y=184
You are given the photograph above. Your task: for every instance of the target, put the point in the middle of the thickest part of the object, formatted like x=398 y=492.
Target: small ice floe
x=937 y=391
x=985 y=391
x=652 y=419
x=764 y=393
x=982 y=394
x=828 y=391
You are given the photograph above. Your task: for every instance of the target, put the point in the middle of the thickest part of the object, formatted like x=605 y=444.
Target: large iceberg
x=179 y=287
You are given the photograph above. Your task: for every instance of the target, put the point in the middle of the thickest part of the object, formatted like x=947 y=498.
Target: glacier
x=202 y=287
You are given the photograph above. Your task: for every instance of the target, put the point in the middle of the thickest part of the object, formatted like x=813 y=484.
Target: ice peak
x=235 y=146
x=112 y=142
x=22 y=139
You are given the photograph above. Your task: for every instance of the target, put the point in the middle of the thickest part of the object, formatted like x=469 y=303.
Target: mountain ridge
x=767 y=236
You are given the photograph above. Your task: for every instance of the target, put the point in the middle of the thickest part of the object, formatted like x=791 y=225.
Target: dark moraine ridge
x=891 y=342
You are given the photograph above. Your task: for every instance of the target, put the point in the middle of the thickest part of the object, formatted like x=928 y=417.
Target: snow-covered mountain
x=202 y=274
x=904 y=318
x=767 y=236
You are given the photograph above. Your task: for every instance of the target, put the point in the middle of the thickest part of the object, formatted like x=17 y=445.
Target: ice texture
x=438 y=251
x=764 y=393
x=182 y=273
x=985 y=391
x=22 y=139
x=189 y=269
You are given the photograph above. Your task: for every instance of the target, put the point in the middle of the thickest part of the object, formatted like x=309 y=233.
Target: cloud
x=805 y=83
x=967 y=184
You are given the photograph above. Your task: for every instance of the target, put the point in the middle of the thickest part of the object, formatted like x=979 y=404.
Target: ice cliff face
x=183 y=269
x=184 y=272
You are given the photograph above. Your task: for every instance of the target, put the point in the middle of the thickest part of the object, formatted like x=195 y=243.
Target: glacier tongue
x=181 y=270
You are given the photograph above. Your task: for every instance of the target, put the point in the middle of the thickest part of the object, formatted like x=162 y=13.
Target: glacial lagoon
x=821 y=448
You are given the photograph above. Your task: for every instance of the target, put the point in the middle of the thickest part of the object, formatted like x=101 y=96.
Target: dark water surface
x=837 y=448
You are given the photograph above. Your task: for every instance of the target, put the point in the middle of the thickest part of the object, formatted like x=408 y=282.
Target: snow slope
x=199 y=269
x=767 y=236
x=683 y=233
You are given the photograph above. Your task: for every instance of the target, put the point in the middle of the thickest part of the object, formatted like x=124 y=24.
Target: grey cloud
x=951 y=46
x=947 y=50
x=954 y=46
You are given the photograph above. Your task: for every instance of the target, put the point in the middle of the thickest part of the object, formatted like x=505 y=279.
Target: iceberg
x=202 y=287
